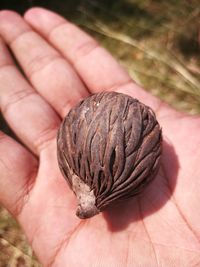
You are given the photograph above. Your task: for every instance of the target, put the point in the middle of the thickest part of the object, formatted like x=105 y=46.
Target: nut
x=109 y=148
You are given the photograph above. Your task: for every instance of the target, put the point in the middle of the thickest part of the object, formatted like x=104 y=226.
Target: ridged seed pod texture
x=109 y=149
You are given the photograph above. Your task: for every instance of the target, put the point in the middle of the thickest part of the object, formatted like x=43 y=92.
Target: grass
x=14 y=250
x=160 y=49
x=157 y=41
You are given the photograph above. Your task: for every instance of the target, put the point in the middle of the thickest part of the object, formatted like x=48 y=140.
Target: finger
x=18 y=169
x=53 y=77
x=28 y=114
x=92 y=62
x=97 y=68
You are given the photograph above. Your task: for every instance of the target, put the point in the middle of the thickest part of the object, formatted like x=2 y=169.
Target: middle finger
x=52 y=76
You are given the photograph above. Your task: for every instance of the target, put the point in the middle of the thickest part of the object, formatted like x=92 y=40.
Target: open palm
x=62 y=65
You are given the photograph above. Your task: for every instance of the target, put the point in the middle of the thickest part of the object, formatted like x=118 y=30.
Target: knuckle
x=40 y=62
x=15 y=98
x=86 y=48
x=20 y=35
x=46 y=136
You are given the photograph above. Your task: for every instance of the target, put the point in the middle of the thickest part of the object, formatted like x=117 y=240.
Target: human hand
x=62 y=65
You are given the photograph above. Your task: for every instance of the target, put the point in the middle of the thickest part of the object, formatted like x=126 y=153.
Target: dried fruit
x=109 y=148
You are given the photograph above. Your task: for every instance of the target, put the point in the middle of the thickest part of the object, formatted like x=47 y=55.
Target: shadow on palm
x=153 y=197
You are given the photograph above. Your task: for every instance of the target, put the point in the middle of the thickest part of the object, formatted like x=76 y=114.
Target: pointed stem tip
x=85 y=212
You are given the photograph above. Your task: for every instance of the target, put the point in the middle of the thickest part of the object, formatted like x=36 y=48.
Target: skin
x=61 y=65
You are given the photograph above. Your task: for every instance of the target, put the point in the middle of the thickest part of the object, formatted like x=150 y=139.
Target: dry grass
x=160 y=49
x=14 y=251
x=157 y=41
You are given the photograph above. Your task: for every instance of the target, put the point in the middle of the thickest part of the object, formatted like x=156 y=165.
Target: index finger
x=97 y=68
x=85 y=54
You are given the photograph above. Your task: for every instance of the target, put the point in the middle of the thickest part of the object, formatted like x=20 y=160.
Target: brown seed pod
x=109 y=148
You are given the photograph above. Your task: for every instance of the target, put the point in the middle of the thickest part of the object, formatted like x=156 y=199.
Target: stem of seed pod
x=86 y=198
